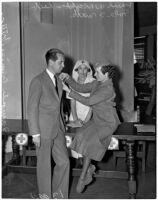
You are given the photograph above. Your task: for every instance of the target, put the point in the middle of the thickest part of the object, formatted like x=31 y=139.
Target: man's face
x=57 y=65
x=99 y=75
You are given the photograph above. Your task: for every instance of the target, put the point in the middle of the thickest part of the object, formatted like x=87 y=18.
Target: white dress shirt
x=51 y=75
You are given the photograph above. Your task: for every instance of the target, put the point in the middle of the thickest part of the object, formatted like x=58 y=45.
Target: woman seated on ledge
x=93 y=138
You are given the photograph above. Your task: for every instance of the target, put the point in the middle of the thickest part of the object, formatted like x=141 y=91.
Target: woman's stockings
x=86 y=164
x=85 y=177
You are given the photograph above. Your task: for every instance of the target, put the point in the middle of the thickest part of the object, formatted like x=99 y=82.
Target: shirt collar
x=50 y=73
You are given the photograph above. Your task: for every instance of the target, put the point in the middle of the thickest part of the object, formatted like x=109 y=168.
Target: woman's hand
x=65 y=87
x=64 y=76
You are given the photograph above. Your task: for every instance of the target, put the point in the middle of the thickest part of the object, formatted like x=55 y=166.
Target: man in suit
x=47 y=128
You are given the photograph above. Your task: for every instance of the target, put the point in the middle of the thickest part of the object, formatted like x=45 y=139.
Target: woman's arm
x=82 y=88
x=73 y=109
x=89 y=115
x=98 y=96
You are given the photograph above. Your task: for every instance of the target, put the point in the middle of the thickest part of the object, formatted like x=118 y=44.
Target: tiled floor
x=23 y=186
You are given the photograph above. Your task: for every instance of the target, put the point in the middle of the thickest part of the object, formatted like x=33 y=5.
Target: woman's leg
x=81 y=182
x=86 y=164
x=86 y=176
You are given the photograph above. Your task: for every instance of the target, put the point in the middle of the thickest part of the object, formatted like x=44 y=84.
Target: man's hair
x=52 y=54
x=110 y=69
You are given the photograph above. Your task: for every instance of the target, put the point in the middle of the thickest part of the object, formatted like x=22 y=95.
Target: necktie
x=56 y=84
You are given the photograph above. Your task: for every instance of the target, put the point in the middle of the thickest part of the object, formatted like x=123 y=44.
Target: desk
x=126 y=132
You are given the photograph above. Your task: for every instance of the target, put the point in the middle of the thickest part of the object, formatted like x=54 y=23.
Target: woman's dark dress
x=93 y=139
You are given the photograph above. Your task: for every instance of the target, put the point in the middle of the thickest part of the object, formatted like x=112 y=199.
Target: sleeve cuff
x=68 y=95
x=35 y=135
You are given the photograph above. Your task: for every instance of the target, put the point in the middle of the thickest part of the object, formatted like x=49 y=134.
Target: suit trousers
x=56 y=185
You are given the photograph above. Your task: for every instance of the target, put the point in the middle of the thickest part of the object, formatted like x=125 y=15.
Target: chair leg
x=142 y=151
x=24 y=156
x=144 y=156
x=143 y=164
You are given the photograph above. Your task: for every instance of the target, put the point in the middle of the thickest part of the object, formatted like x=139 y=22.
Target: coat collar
x=107 y=82
x=51 y=84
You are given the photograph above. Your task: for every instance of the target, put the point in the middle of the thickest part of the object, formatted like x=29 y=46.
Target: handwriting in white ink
x=117 y=13
x=5 y=33
x=5 y=39
x=119 y=5
x=88 y=10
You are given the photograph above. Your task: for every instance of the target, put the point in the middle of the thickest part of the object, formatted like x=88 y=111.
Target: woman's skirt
x=92 y=140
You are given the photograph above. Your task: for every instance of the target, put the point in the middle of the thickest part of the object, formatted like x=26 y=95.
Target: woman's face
x=82 y=70
x=100 y=76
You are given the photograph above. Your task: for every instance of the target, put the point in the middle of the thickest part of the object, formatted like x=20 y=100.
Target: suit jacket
x=44 y=107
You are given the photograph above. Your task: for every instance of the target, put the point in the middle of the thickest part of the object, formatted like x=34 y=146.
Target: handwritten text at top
x=88 y=10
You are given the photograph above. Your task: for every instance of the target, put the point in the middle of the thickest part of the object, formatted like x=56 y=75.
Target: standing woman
x=80 y=113
x=82 y=73
x=93 y=139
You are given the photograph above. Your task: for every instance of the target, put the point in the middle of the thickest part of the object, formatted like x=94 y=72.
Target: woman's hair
x=110 y=69
x=52 y=54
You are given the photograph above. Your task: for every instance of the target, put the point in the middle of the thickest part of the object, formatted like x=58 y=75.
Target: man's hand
x=75 y=124
x=37 y=140
x=64 y=76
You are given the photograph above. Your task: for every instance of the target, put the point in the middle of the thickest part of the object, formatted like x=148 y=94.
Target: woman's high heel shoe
x=82 y=182
x=89 y=175
x=80 y=185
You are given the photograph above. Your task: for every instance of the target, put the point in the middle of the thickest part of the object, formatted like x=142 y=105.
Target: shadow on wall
x=69 y=64
x=91 y=65
x=119 y=96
